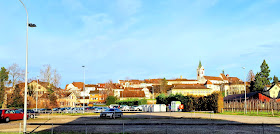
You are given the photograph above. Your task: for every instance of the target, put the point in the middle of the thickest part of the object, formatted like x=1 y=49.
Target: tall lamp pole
x=153 y=94
x=37 y=93
x=245 y=108
x=84 y=90
x=26 y=63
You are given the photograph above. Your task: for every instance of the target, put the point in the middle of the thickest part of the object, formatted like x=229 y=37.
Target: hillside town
x=77 y=94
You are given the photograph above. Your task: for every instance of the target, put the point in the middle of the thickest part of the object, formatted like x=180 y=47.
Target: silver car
x=111 y=113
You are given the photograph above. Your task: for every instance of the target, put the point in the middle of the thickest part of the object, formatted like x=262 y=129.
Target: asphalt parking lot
x=149 y=123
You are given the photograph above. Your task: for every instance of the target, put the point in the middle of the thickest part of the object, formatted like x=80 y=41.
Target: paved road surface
x=152 y=118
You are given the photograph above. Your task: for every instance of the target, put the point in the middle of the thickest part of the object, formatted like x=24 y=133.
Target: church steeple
x=199 y=65
x=200 y=71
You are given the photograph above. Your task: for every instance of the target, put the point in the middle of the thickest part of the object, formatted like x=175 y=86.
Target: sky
x=141 y=39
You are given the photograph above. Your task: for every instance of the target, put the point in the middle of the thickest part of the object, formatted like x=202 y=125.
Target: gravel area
x=152 y=123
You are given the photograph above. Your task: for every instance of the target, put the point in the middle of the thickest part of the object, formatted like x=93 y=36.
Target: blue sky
x=138 y=39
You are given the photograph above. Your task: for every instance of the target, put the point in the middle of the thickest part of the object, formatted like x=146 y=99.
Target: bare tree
x=50 y=75
x=56 y=78
x=46 y=73
x=16 y=74
x=250 y=76
x=109 y=86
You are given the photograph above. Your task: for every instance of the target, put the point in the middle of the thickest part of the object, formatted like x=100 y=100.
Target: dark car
x=111 y=113
x=11 y=114
x=30 y=113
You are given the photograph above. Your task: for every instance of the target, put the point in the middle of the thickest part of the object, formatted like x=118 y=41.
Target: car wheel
x=32 y=116
x=7 y=120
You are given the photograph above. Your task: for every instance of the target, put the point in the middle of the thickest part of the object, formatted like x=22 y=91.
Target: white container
x=175 y=106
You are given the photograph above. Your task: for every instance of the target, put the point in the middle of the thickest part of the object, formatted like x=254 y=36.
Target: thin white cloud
x=128 y=7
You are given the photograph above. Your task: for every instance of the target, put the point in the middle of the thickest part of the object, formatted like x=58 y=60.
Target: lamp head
x=31 y=25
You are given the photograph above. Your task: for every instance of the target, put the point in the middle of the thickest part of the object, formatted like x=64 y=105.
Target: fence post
x=19 y=127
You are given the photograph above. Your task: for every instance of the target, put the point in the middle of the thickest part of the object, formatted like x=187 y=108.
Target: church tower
x=200 y=71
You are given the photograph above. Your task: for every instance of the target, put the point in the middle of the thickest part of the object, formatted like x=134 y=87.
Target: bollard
x=52 y=128
x=19 y=128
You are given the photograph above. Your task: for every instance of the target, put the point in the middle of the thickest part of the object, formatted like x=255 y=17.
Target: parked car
x=43 y=110
x=31 y=113
x=56 y=109
x=112 y=113
x=137 y=108
x=11 y=114
x=100 y=109
x=125 y=108
x=114 y=105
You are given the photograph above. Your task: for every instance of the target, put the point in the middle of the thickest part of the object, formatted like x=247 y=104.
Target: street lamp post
x=84 y=90
x=37 y=93
x=153 y=94
x=26 y=64
x=245 y=105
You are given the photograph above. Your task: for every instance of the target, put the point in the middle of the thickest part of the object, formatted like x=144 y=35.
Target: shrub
x=111 y=100
x=132 y=102
x=213 y=102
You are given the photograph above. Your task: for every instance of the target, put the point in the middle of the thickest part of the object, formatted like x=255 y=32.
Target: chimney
x=181 y=77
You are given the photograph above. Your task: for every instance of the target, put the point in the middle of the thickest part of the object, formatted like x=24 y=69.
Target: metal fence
x=252 y=106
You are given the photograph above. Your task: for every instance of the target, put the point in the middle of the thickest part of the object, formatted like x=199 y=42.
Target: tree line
x=261 y=79
x=14 y=76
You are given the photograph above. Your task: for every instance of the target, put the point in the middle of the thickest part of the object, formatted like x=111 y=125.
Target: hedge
x=132 y=102
x=111 y=100
x=213 y=102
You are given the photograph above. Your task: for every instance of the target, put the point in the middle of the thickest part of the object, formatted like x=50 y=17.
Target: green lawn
x=266 y=114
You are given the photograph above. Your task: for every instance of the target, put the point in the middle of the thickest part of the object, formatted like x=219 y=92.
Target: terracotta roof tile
x=224 y=77
x=130 y=93
x=208 y=82
x=79 y=85
x=213 y=78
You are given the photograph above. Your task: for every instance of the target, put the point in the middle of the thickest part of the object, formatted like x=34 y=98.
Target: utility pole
x=37 y=93
x=84 y=90
x=245 y=105
x=153 y=94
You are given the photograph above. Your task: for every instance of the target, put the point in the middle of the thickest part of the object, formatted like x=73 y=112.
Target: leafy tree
x=161 y=99
x=111 y=100
x=275 y=80
x=17 y=98
x=262 y=78
x=4 y=76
